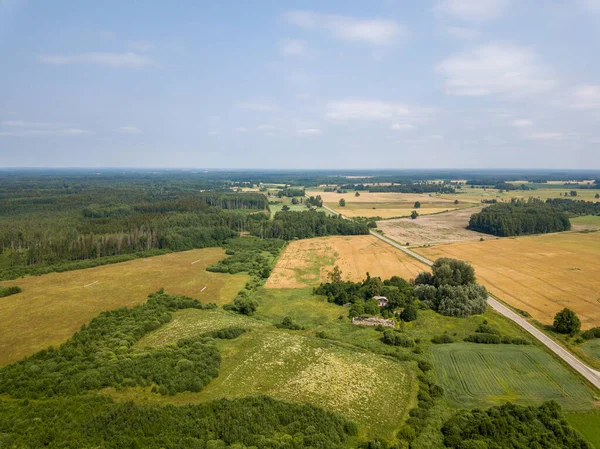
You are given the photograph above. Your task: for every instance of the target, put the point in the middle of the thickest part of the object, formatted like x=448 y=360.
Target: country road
x=590 y=374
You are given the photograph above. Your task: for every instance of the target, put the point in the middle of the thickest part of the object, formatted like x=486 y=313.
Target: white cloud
x=259 y=107
x=371 y=31
x=143 y=46
x=472 y=10
x=310 y=132
x=100 y=58
x=241 y=130
x=586 y=97
x=495 y=69
x=544 y=135
x=521 y=123
x=17 y=128
x=366 y=110
x=402 y=127
x=463 y=33
x=292 y=47
x=129 y=130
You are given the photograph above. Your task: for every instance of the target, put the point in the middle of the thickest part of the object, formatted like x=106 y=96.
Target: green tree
x=295 y=200
x=342 y=202
x=455 y=201
x=417 y=204
x=414 y=214
x=567 y=322
x=409 y=313
x=285 y=208
x=597 y=195
x=335 y=276
x=573 y=193
x=357 y=194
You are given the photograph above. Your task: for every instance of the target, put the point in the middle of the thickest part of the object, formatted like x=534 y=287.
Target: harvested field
x=54 y=306
x=307 y=262
x=448 y=227
x=484 y=375
x=539 y=274
x=386 y=205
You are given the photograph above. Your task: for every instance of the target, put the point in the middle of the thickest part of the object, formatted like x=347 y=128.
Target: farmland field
x=484 y=375
x=542 y=191
x=307 y=262
x=586 y=222
x=53 y=306
x=387 y=205
x=448 y=227
x=540 y=274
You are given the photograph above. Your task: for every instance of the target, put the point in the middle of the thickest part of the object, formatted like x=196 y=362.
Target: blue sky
x=275 y=84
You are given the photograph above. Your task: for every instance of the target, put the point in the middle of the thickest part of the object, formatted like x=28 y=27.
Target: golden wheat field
x=307 y=262
x=387 y=205
x=54 y=306
x=539 y=274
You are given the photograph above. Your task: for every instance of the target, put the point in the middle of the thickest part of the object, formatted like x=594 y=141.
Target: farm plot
x=386 y=205
x=448 y=227
x=54 y=306
x=483 y=375
x=539 y=274
x=307 y=262
x=592 y=348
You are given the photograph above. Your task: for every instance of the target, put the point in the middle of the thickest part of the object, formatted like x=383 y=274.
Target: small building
x=381 y=300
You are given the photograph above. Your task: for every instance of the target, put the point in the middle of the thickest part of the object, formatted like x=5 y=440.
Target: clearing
x=307 y=262
x=387 y=205
x=448 y=227
x=539 y=274
x=54 y=306
x=484 y=375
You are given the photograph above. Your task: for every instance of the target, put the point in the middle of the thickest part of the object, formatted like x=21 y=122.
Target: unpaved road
x=590 y=374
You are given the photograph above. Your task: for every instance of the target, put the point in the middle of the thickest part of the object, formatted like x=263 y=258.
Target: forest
x=520 y=218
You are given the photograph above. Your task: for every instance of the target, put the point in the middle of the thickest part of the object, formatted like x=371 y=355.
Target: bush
x=287 y=323
x=409 y=313
x=594 y=332
x=424 y=365
x=488 y=339
x=487 y=329
x=7 y=291
x=394 y=338
x=442 y=339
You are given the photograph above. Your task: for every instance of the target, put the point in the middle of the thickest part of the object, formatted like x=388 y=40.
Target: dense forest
x=520 y=218
x=512 y=426
x=574 y=207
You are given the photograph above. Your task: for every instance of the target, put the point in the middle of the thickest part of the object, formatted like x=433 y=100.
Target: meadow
x=485 y=375
x=308 y=262
x=53 y=306
x=387 y=205
x=588 y=424
x=539 y=274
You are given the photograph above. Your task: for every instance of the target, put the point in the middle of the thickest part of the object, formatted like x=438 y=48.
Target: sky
x=376 y=84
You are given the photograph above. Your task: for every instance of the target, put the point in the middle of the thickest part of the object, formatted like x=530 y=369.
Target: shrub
x=394 y=338
x=7 y=291
x=424 y=365
x=567 y=322
x=288 y=323
x=442 y=339
x=409 y=313
x=488 y=339
x=594 y=332
x=487 y=329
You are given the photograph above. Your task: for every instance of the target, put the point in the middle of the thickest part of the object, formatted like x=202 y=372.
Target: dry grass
x=539 y=274
x=432 y=229
x=386 y=205
x=307 y=262
x=53 y=306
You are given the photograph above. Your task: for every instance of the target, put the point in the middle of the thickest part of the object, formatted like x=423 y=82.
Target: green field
x=592 y=348
x=587 y=220
x=588 y=424
x=484 y=375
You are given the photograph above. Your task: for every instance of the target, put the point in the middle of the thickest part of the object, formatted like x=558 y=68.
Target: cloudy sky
x=312 y=84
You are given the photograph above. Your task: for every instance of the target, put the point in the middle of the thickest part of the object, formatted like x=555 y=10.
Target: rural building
x=372 y=321
x=382 y=300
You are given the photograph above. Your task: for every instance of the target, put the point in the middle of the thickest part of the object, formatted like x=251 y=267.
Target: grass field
x=592 y=348
x=587 y=221
x=53 y=306
x=540 y=274
x=588 y=424
x=307 y=262
x=483 y=375
x=374 y=391
x=387 y=205
x=542 y=191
